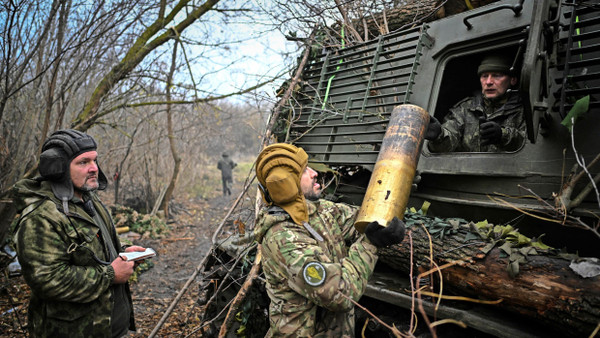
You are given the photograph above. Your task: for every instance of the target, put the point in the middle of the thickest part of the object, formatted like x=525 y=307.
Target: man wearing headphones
x=314 y=260
x=68 y=246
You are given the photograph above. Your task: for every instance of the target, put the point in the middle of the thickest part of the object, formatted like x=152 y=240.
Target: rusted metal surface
x=390 y=184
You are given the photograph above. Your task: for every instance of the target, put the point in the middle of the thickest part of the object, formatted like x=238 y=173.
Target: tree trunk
x=545 y=288
x=164 y=204
x=136 y=54
x=50 y=95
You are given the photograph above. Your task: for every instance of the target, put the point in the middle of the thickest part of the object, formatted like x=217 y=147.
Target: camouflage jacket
x=71 y=293
x=460 y=130
x=307 y=273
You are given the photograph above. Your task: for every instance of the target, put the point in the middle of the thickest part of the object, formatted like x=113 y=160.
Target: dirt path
x=178 y=256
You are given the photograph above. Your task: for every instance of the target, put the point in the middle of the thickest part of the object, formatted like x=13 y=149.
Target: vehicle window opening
x=460 y=79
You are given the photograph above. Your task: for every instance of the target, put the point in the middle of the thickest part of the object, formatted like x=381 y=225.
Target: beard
x=312 y=195
x=86 y=187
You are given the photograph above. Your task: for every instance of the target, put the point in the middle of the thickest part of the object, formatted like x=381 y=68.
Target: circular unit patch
x=314 y=274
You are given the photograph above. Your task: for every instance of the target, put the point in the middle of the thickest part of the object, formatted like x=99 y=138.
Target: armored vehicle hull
x=340 y=113
x=504 y=282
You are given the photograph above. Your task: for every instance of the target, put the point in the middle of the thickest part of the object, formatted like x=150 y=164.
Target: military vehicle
x=340 y=113
x=341 y=108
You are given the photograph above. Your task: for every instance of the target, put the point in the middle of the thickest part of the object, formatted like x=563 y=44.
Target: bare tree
x=164 y=202
x=72 y=63
x=144 y=44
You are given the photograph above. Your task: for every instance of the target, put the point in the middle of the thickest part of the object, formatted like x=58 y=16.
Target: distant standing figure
x=226 y=165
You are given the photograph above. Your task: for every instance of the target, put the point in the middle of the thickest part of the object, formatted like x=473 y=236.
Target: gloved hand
x=490 y=133
x=434 y=129
x=416 y=181
x=385 y=236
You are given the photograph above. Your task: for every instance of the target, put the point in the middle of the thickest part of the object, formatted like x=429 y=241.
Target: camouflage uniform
x=298 y=309
x=460 y=130
x=71 y=293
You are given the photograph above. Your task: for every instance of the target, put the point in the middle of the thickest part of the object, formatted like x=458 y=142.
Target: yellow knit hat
x=279 y=168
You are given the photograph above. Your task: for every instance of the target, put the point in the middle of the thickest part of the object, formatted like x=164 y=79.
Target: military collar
x=512 y=101
x=312 y=207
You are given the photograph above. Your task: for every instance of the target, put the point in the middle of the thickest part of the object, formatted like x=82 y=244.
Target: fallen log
x=531 y=281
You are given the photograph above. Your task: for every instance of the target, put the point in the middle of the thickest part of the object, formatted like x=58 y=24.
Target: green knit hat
x=495 y=63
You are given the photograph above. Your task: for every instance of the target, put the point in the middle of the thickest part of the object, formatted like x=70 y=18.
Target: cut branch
x=288 y=93
x=241 y=295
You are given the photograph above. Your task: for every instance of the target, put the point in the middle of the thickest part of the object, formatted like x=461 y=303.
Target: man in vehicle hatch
x=68 y=246
x=491 y=121
x=312 y=254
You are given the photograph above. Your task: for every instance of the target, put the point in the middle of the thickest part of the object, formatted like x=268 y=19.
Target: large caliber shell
x=391 y=181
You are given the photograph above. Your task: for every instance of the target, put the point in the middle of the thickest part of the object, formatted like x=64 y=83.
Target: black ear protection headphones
x=59 y=149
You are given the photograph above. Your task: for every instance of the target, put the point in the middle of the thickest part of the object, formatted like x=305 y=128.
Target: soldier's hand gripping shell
x=434 y=129
x=385 y=236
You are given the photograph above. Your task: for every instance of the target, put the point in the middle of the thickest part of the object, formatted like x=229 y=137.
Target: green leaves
x=144 y=224
x=579 y=109
x=514 y=246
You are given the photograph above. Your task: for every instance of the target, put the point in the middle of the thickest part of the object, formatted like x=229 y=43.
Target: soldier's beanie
x=495 y=63
x=279 y=168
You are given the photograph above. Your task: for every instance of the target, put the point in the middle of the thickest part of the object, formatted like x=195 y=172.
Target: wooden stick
x=237 y=201
x=179 y=295
x=241 y=295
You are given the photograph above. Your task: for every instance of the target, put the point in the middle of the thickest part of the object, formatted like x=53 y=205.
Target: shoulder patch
x=314 y=274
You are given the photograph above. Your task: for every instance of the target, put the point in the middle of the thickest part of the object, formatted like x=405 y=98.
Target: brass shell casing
x=391 y=181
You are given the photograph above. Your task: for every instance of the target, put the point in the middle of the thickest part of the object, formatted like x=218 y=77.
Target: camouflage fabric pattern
x=460 y=130
x=71 y=293
x=298 y=309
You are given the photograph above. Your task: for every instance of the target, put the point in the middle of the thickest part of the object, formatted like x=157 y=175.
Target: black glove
x=416 y=181
x=490 y=133
x=434 y=129
x=385 y=236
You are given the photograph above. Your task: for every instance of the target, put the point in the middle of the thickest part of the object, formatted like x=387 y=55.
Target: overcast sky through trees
x=250 y=52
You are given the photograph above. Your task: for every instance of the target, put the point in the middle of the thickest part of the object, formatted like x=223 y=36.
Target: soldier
x=226 y=165
x=312 y=254
x=68 y=246
x=490 y=121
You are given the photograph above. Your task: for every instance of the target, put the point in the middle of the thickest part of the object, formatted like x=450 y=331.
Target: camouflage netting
x=146 y=225
x=459 y=239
